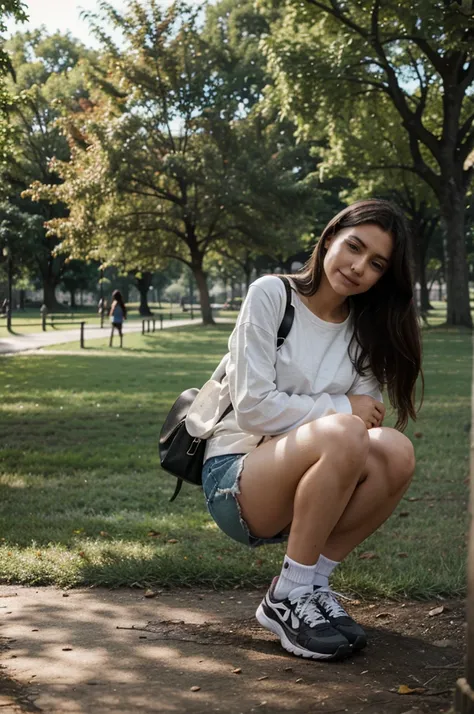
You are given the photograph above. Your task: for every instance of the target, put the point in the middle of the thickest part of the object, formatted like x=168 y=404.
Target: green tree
x=160 y=164
x=331 y=55
x=47 y=76
x=360 y=147
x=8 y=9
x=78 y=275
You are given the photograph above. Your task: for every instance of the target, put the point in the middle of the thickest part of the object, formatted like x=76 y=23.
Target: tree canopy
x=335 y=60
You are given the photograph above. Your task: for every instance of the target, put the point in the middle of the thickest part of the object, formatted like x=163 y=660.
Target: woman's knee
x=346 y=439
x=399 y=457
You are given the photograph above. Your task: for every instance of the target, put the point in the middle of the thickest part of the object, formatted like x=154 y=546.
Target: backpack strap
x=288 y=317
x=177 y=489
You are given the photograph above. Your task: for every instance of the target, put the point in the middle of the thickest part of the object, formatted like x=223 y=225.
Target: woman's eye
x=377 y=266
x=352 y=246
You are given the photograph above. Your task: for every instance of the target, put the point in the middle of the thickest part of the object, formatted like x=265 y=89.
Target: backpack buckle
x=193 y=447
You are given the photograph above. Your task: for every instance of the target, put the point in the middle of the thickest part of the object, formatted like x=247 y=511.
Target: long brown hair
x=117 y=297
x=386 y=326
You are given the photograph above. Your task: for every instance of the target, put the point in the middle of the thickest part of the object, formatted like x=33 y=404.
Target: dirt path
x=100 y=651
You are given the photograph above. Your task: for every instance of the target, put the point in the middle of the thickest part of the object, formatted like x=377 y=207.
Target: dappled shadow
x=118 y=651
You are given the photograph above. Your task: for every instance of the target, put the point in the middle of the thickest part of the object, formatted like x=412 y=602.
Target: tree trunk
x=248 y=277
x=143 y=285
x=22 y=299
x=425 y=304
x=201 y=282
x=457 y=275
x=421 y=239
x=73 y=299
x=49 y=296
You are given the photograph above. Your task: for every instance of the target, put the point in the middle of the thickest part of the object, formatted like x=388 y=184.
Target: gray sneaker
x=300 y=624
x=338 y=617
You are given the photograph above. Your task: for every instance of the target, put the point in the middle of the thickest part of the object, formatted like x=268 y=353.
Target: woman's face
x=356 y=258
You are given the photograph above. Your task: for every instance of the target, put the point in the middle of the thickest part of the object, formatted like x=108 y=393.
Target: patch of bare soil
x=414 y=657
x=14 y=697
x=99 y=651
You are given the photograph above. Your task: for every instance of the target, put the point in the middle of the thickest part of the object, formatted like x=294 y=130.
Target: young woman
x=304 y=455
x=117 y=314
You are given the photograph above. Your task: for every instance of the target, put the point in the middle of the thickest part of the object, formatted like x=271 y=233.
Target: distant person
x=4 y=308
x=118 y=313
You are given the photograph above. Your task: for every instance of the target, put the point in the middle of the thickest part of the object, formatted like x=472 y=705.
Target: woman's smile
x=347 y=280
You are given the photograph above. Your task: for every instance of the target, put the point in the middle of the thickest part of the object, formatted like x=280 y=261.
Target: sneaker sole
x=341 y=652
x=359 y=644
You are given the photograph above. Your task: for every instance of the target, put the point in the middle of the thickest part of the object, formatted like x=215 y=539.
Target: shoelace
x=327 y=597
x=307 y=609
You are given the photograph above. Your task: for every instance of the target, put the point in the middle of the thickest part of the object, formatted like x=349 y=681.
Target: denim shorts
x=220 y=482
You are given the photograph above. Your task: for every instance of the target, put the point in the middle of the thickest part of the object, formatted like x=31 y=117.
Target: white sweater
x=273 y=392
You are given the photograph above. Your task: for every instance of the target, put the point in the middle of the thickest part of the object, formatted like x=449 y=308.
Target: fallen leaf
x=153 y=534
x=172 y=540
x=67 y=649
x=237 y=670
x=436 y=611
x=299 y=680
x=403 y=514
x=383 y=614
x=195 y=689
x=418 y=434
x=260 y=679
x=445 y=643
x=104 y=534
x=403 y=689
x=368 y=555
x=150 y=593
x=402 y=555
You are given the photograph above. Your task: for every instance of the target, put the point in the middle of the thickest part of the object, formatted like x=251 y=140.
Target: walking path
x=97 y=651
x=36 y=340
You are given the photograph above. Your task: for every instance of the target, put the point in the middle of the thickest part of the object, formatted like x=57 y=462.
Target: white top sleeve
x=366 y=385
x=259 y=407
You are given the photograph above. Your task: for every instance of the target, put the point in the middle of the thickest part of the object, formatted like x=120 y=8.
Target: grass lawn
x=83 y=499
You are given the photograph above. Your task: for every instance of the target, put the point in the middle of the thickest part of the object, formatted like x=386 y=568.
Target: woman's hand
x=368 y=409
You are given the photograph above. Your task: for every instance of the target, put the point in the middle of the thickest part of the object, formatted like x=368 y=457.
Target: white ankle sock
x=293 y=575
x=322 y=570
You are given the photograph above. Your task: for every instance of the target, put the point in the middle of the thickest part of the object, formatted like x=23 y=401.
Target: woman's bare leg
x=387 y=475
x=111 y=336
x=305 y=477
x=267 y=484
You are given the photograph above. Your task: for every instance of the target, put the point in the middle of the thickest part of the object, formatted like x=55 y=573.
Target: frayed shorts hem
x=221 y=485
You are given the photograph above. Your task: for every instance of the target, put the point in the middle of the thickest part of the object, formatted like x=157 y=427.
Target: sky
x=63 y=15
